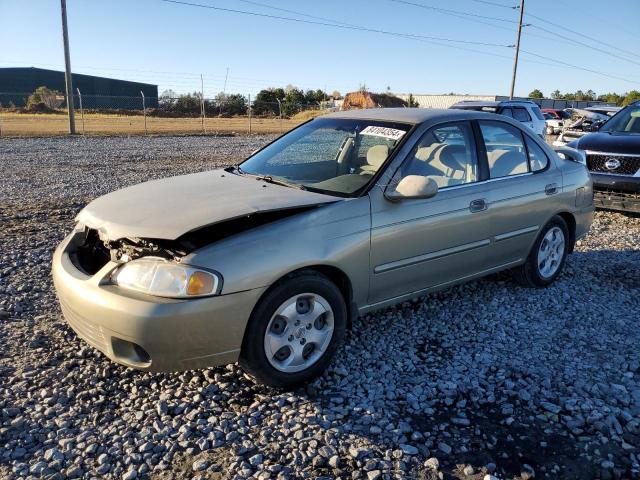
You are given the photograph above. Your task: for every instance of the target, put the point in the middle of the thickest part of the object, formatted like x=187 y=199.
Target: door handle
x=551 y=189
x=478 y=205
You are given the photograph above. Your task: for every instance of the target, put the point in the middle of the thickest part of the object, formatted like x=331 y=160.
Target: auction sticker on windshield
x=386 y=132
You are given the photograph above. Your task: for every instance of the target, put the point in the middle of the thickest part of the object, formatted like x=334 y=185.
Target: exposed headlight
x=164 y=278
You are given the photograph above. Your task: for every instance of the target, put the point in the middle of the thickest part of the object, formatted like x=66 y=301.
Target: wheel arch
x=570 y=220
x=333 y=273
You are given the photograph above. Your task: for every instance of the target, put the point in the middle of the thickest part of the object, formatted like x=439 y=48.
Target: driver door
x=417 y=244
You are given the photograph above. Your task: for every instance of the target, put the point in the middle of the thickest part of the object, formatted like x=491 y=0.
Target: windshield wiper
x=275 y=181
x=265 y=178
x=235 y=168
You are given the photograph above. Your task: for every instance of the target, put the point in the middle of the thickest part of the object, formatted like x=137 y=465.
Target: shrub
x=44 y=100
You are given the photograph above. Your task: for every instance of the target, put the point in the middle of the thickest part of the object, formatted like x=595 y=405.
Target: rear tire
x=547 y=257
x=294 y=331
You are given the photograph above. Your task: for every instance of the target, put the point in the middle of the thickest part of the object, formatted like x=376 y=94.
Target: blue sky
x=171 y=45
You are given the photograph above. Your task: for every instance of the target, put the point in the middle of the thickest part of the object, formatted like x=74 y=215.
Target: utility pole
x=67 y=68
x=203 y=112
x=515 y=60
x=224 y=90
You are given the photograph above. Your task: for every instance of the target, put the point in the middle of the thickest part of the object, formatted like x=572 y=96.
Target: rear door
x=421 y=243
x=522 y=184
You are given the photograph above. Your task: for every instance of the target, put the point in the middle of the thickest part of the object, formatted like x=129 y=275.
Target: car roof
x=490 y=103
x=404 y=115
x=604 y=108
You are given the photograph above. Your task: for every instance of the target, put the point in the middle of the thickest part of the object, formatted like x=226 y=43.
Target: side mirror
x=413 y=186
x=595 y=126
x=572 y=154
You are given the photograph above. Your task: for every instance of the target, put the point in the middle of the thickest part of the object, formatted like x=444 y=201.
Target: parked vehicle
x=613 y=158
x=556 y=113
x=524 y=111
x=267 y=263
x=554 y=125
x=582 y=121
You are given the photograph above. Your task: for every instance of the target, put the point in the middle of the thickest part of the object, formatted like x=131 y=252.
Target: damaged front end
x=95 y=249
x=94 y=252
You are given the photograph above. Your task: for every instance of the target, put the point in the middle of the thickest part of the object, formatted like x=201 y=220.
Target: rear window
x=521 y=114
x=537 y=112
x=506 y=112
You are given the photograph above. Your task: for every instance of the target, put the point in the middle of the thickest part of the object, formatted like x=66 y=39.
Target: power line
x=495 y=4
x=447 y=11
x=570 y=65
x=336 y=25
x=411 y=36
x=564 y=28
x=582 y=44
x=619 y=25
x=265 y=5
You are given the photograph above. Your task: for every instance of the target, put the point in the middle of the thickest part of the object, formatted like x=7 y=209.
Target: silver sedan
x=268 y=262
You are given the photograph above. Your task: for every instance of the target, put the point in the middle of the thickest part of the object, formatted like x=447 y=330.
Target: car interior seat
x=503 y=163
x=634 y=125
x=376 y=156
x=443 y=163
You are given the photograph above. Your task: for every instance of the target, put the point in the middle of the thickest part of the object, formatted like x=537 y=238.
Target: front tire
x=294 y=331
x=547 y=257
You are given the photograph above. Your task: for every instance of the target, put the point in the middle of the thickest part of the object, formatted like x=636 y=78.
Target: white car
x=554 y=125
x=523 y=111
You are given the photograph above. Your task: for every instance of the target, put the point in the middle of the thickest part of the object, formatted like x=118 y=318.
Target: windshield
x=625 y=121
x=329 y=155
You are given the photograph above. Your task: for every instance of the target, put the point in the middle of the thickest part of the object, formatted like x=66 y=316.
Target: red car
x=557 y=113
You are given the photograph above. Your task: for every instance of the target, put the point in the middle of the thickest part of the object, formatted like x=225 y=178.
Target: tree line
x=268 y=102
x=580 y=96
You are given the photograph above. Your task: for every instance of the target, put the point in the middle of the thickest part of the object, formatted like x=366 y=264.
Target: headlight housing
x=164 y=278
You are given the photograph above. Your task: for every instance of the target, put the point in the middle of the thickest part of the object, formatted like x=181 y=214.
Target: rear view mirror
x=413 y=186
x=572 y=154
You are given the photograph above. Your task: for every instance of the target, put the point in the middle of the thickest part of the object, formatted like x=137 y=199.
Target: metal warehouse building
x=16 y=84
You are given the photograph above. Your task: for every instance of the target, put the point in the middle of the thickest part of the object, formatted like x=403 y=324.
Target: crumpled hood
x=610 y=143
x=168 y=208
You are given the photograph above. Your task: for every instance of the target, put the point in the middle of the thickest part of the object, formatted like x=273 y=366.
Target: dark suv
x=613 y=159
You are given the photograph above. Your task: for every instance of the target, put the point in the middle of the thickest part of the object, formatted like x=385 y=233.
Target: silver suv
x=523 y=111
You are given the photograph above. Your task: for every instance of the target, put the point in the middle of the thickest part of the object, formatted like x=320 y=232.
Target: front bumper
x=616 y=192
x=146 y=332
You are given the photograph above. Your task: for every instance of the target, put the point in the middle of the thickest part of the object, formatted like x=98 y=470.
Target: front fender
x=335 y=235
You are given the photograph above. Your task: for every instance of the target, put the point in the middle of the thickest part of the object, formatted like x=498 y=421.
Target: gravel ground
x=482 y=380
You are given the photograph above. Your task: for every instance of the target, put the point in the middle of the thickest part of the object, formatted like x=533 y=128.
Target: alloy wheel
x=551 y=252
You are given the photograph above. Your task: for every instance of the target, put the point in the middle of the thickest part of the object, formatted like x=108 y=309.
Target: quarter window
x=538 y=160
x=505 y=149
x=446 y=154
x=507 y=112
x=521 y=114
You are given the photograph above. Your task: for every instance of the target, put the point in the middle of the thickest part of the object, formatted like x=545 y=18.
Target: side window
x=521 y=114
x=505 y=149
x=507 y=112
x=538 y=160
x=446 y=154
x=537 y=112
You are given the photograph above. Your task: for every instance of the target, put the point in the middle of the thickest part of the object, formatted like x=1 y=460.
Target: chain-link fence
x=22 y=114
